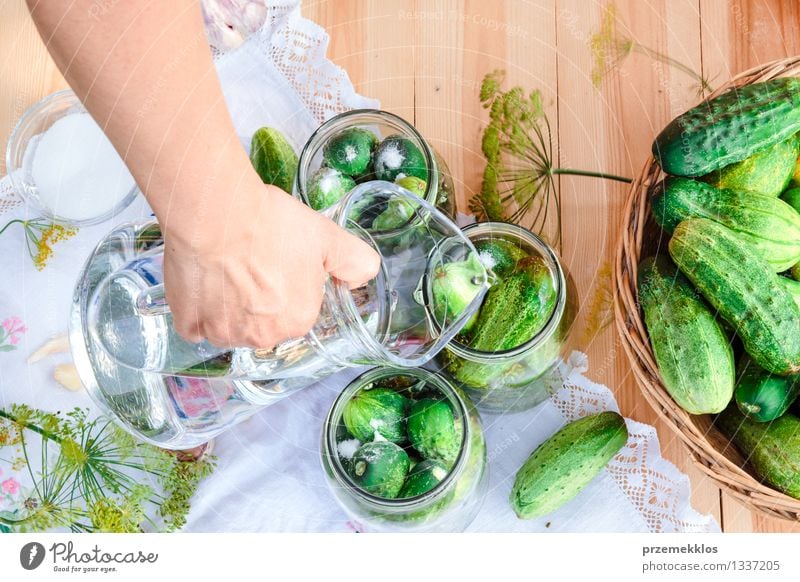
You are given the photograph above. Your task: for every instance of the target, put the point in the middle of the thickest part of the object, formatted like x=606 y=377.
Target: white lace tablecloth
x=269 y=476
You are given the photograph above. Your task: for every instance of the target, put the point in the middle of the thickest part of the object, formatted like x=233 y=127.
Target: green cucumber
x=743 y=288
x=792 y=198
x=326 y=187
x=769 y=224
x=423 y=477
x=350 y=151
x=398 y=156
x=729 y=128
x=793 y=287
x=693 y=354
x=566 y=463
x=500 y=255
x=412 y=184
x=380 y=468
x=273 y=158
x=771 y=448
x=379 y=411
x=516 y=309
x=432 y=430
x=762 y=396
x=767 y=172
x=454 y=287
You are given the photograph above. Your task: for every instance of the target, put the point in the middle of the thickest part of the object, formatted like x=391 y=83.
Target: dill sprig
x=40 y=237
x=519 y=179
x=610 y=48
x=92 y=476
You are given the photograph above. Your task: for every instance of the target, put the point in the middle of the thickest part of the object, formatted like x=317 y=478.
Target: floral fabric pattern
x=11 y=331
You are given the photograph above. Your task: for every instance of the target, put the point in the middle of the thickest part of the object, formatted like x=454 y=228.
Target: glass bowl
x=21 y=151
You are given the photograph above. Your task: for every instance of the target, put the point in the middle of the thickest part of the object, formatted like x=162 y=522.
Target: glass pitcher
x=177 y=394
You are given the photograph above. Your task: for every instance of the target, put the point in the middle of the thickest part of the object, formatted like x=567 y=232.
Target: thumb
x=349 y=259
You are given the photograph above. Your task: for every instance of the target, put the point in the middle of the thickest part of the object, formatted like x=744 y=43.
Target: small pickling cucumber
x=516 y=308
x=432 y=430
x=744 y=290
x=771 y=448
x=729 y=128
x=693 y=354
x=566 y=463
x=767 y=172
x=273 y=158
x=769 y=224
x=454 y=287
x=500 y=255
x=398 y=156
x=377 y=411
x=423 y=477
x=380 y=468
x=350 y=151
x=326 y=187
x=762 y=396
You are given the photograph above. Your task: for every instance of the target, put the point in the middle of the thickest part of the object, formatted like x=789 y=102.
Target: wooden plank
x=26 y=70
x=374 y=42
x=741 y=34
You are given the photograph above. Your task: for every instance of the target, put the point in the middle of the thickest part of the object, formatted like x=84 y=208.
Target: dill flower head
x=609 y=48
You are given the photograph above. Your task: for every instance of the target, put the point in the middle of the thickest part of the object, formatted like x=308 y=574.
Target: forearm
x=144 y=71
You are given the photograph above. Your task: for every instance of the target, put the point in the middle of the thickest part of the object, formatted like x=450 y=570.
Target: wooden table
x=425 y=61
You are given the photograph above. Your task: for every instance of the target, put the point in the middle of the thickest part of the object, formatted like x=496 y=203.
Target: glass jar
x=452 y=504
x=518 y=378
x=80 y=209
x=177 y=394
x=437 y=188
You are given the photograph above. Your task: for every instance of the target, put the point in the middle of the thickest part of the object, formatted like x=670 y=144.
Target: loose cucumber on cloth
x=769 y=224
x=743 y=288
x=566 y=463
x=693 y=354
x=729 y=128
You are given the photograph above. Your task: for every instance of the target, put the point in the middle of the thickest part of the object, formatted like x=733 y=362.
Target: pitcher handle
x=152 y=301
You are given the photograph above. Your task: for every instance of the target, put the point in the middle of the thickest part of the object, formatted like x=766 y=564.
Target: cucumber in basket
x=767 y=223
x=743 y=288
x=771 y=448
x=729 y=128
x=767 y=172
x=762 y=396
x=693 y=354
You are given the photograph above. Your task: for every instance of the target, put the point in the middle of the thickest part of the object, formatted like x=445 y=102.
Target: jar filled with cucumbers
x=505 y=357
x=368 y=144
x=403 y=450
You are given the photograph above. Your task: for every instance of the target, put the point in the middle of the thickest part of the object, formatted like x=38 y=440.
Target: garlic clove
x=67 y=376
x=55 y=345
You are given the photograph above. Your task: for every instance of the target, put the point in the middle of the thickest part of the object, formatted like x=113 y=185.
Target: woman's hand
x=244 y=263
x=255 y=277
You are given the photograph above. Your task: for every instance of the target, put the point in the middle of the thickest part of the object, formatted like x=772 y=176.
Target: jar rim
x=322 y=133
x=477 y=229
x=340 y=213
x=341 y=475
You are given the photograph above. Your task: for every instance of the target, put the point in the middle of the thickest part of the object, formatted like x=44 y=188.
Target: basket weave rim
x=712 y=461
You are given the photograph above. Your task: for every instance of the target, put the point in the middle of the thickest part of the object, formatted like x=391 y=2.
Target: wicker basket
x=641 y=237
